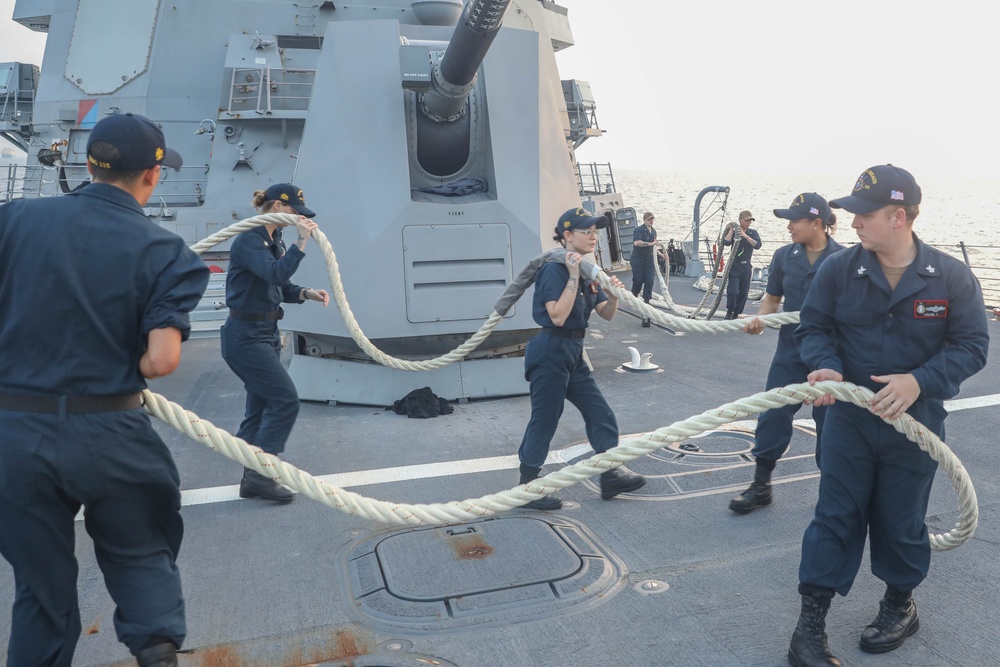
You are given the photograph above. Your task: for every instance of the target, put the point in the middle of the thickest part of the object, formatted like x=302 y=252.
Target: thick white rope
x=664 y=299
x=457 y=511
x=664 y=294
x=685 y=323
x=460 y=352
x=273 y=467
x=333 y=271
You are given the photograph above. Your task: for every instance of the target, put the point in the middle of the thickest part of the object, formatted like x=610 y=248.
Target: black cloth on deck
x=422 y=404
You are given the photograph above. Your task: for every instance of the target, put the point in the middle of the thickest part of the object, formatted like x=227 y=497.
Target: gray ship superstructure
x=436 y=145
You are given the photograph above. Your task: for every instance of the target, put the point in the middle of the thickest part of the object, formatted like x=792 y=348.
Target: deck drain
x=488 y=572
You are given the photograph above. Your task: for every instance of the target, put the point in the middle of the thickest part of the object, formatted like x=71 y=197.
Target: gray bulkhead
x=254 y=93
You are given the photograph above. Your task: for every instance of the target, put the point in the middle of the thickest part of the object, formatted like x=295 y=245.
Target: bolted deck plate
x=491 y=571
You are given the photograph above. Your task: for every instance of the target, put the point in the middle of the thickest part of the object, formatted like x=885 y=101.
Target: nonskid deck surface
x=303 y=584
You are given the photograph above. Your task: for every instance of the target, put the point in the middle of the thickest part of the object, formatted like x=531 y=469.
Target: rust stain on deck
x=339 y=644
x=471 y=547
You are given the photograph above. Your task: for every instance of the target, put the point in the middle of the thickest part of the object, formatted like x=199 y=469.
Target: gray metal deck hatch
x=458 y=561
x=488 y=572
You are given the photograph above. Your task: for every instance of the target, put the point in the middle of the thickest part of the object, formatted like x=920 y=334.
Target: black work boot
x=645 y=322
x=759 y=493
x=158 y=655
x=614 y=482
x=255 y=485
x=809 y=647
x=547 y=503
x=730 y=315
x=896 y=620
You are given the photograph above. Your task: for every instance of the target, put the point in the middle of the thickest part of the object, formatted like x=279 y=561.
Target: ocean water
x=950 y=212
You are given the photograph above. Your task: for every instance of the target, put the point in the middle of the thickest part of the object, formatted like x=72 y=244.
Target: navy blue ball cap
x=580 y=218
x=139 y=141
x=291 y=195
x=806 y=205
x=879 y=186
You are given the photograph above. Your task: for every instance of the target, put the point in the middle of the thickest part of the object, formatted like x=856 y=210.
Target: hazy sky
x=772 y=85
x=790 y=85
x=18 y=43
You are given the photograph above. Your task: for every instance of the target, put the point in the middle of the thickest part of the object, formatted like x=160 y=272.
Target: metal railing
x=261 y=90
x=17 y=105
x=595 y=178
x=984 y=260
x=178 y=189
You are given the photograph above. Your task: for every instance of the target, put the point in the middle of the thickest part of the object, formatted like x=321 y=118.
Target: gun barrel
x=455 y=75
x=472 y=39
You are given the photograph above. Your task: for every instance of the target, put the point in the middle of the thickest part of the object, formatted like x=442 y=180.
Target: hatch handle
x=452 y=532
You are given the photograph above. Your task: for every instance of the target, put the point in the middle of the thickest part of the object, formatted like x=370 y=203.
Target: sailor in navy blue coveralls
x=792 y=270
x=643 y=260
x=554 y=364
x=258 y=281
x=908 y=322
x=85 y=321
x=738 y=285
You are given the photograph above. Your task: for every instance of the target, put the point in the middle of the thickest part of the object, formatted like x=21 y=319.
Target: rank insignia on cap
x=567 y=224
x=866 y=180
x=283 y=196
x=159 y=154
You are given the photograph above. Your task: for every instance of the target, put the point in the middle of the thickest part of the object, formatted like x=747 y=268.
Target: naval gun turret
x=431 y=137
x=443 y=126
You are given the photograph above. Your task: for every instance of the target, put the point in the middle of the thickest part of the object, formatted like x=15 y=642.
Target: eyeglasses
x=592 y=233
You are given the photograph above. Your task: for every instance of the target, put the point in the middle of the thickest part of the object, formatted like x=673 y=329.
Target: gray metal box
x=415 y=66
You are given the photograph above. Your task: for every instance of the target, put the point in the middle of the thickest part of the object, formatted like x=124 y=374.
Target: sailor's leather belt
x=568 y=333
x=69 y=404
x=250 y=316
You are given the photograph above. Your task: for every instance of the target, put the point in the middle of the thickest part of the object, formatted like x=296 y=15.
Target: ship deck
x=666 y=577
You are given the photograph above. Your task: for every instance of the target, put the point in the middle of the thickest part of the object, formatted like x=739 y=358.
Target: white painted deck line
x=220 y=494
x=973 y=402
